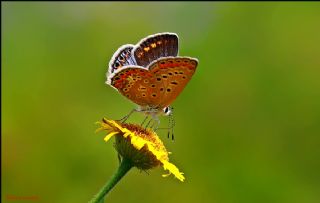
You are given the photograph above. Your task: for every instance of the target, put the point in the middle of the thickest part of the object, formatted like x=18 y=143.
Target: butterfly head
x=167 y=111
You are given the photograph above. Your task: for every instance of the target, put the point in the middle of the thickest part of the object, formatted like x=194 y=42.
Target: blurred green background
x=247 y=124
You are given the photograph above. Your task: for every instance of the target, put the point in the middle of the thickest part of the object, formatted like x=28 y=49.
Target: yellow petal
x=139 y=142
x=173 y=169
x=110 y=135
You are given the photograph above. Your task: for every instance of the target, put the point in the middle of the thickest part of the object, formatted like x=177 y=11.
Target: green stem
x=124 y=167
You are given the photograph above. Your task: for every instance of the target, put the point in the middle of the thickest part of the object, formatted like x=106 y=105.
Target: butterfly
x=150 y=73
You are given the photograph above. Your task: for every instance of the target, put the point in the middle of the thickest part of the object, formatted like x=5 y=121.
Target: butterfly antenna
x=172 y=123
x=169 y=124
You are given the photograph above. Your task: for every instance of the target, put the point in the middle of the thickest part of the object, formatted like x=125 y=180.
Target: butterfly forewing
x=154 y=47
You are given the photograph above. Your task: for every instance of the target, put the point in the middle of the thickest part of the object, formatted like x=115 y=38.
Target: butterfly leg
x=122 y=120
x=156 y=123
x=148 y=123
x=170 y=127
x=144 y=120
x=172 y=123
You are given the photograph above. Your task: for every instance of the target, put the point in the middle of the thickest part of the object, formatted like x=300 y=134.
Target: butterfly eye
x=166 y=110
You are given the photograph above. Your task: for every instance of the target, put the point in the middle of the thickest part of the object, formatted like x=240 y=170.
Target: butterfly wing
x=159 y=85
x=150 y=74
x=154 y=47
x=174 y=73
x=138 y=84
x=122 y=57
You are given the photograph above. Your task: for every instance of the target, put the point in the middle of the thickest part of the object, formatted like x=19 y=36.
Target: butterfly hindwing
x=137 y=84
x=175 y=73
x=159 y=85
x=122 y=57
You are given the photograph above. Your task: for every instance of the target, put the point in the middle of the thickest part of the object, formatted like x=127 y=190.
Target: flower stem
x=124 y=167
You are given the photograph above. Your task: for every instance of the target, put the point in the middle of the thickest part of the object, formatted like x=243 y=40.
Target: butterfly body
x=150 y=74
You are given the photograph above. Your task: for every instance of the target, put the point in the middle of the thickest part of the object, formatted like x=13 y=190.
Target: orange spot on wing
x=146 y=49
x=118 y=85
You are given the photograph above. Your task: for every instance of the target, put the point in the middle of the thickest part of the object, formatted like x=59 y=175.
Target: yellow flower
x=141 y=146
